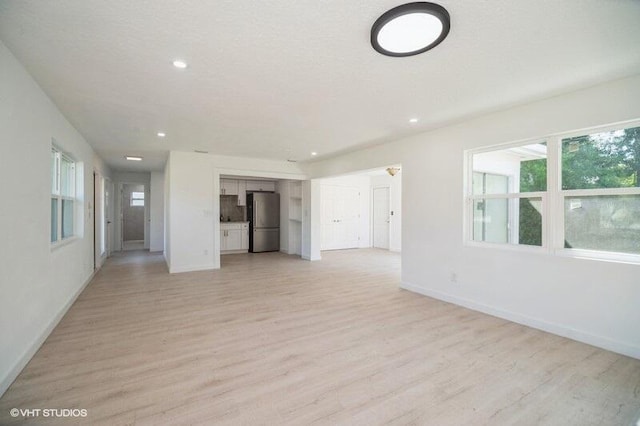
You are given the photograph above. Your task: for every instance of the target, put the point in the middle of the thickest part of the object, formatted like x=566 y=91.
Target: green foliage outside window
x=603 y=160
x=533 y=178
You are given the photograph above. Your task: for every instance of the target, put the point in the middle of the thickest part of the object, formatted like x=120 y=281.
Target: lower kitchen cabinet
x=234 y=237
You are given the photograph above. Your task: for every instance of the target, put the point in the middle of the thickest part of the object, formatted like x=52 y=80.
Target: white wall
x=588 y=300
x=192 y=200
x=193 y=227
x=167 y=213
x=311 y=232
x=394 y=183
x=120 y=178
x=37 y=283
x=156 y=212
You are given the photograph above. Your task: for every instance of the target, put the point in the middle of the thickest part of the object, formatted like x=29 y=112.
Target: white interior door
x=340 y=218
x=381 y=218
x=327 y=221
x=109 y=213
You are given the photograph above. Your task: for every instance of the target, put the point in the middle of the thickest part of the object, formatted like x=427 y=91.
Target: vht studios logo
x=48 y=412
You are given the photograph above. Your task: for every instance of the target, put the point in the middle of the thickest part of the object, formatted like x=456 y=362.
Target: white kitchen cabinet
x=261 y=185
x=245 y=237
x=234 y=237
x=223 y=240
x=228 y=187
x=242 y=192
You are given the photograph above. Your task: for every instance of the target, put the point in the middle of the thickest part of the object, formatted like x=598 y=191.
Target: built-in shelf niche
x=295 y=217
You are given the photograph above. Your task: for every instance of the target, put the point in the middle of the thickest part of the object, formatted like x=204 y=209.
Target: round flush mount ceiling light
x=179 y=64
x=410 y=29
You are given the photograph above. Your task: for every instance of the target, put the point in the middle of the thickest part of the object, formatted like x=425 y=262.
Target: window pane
x=530 y=221
x=137 y=195
x=54 y=220
x=511 y=170
x=137 y=203
x=54 y=172
x=491 y=220
x=602 y=160
x=502 y=220
x=487 y=183
x=67 y=177
x=67 y=218
x=606 y=223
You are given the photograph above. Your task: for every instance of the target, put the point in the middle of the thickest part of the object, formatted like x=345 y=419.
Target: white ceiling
x=279 y=79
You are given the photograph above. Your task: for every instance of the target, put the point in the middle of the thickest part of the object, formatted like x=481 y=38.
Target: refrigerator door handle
x=255 y=213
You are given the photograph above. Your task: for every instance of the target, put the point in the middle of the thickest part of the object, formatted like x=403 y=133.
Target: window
x=587 y=203
x=507 y=193
x=601 y=191
x=137 y=199
x=63 y=193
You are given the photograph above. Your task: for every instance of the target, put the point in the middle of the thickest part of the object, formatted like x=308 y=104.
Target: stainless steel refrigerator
x=264 y=221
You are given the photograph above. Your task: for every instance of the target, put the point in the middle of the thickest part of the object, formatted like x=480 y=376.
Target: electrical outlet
x=454 y=277
x=206 y=252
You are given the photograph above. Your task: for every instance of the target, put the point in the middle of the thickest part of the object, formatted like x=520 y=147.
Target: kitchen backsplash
x=229 y=209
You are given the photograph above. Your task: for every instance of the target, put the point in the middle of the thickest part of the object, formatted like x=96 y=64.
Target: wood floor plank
x=272 y=339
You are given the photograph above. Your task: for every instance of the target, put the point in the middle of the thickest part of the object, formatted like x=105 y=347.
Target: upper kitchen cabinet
x=228 y=187
x=242 y=192
x=261 y=185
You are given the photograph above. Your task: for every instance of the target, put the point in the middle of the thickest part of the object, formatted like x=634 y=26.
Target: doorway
x=133 y=214
x=381 y=217
x=361 y=210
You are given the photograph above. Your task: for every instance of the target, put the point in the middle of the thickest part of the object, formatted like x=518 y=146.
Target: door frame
x=147 y=187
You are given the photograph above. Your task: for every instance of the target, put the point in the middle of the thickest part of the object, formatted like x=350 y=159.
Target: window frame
x=553 y=199
x=470 y=197
x=56 y=193
x=134 y=198
x=562 y=194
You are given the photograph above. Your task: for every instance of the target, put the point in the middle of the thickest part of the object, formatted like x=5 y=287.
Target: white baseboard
x=553 y=328
x=312 y=259
x=40 y=339
x=180 y=269
x=222 y=253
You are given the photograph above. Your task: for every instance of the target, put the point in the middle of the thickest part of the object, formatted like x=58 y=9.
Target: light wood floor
x=271 y=339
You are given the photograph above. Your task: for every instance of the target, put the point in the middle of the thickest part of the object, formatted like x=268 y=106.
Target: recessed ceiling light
x=410 y=29
x=131 y=158
x=161 y=134
x=314 y=153
x=413 y=120
x=179 y=64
